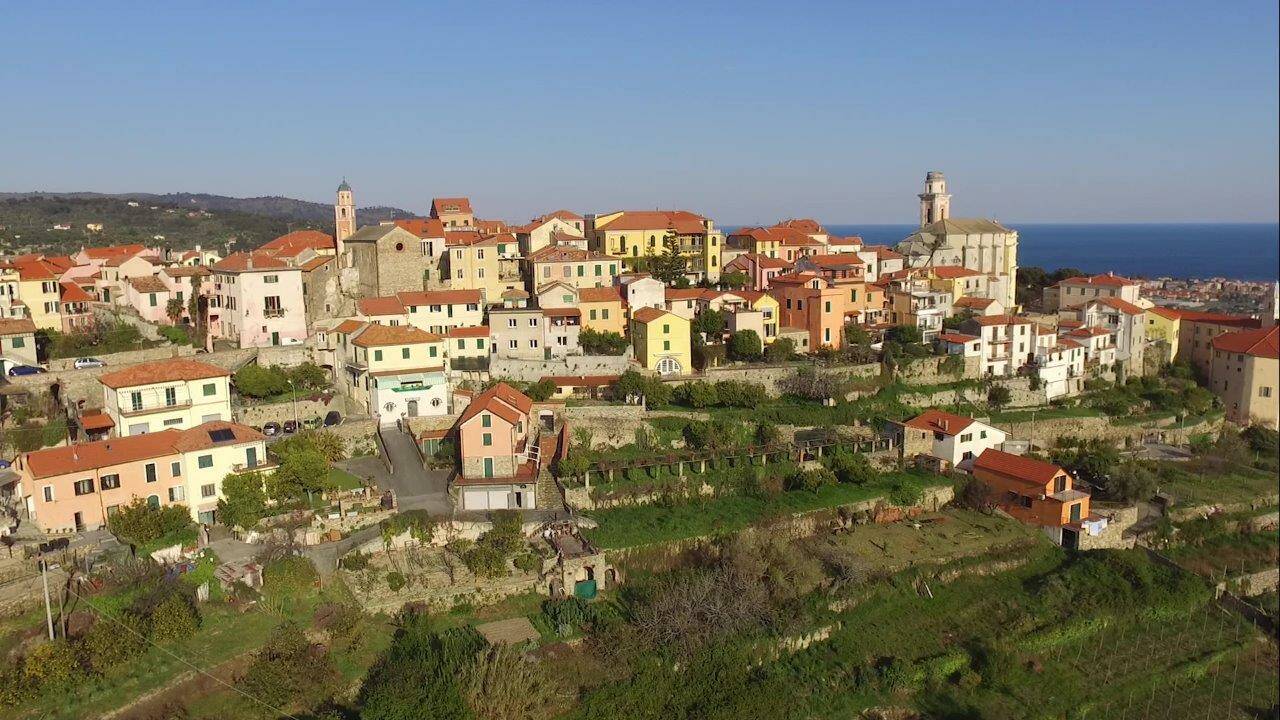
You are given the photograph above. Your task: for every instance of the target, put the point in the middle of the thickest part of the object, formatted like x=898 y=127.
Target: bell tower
x=344 y=216
x=935 y=203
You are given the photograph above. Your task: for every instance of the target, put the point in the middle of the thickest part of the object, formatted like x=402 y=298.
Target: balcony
x=270 y=312
x=259 y=466
x=150 y=409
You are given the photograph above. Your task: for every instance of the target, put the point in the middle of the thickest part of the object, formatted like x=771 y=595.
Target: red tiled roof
x=939 y=421
x=36 y=270
x=1017 y=467
x=16 y=326
x=250 y=262
x=95 y=420
x=1107 y=279
x=83 y=457
x=422 y=227
x=953 y=272
x=502 y=400
x=562 y=312
x=681 y=221
x=670 y=294
x=957 y=337
x=808 y=226
x=1243 y=321
x=798 y=278
x=969 y=301
x=450 y=206
x=439 y=297
x=146 y=284
x=200 y=437
x=1005 y=319
x=1263 y=342
x=193 y=271
x=376 y=306
x=649 y=314
x=1089 y=332
x=162 y=371
x=291 y=244
x=346 y=327
x=564 y=253
x=74 y=293
x=481 y=331
x=99 y=253
x=609 y=293
x=883 y=253
x=1123 y=306
x=836 y=261
x=376 y=335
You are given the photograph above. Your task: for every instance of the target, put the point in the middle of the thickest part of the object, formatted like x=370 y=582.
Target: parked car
x=332 y=418
x=271 y=429
x=311 y=423
x=88 y=362
x=17 y=370
x=5 y=464
x=290 y=427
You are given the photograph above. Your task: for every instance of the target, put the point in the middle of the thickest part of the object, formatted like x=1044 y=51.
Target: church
x=977 y=244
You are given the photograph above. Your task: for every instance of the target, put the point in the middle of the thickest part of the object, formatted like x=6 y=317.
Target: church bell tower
x=344 y=216
x=935 y=203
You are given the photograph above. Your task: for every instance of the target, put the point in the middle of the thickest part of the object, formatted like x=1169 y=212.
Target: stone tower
x=935 y=203
x=344 y=216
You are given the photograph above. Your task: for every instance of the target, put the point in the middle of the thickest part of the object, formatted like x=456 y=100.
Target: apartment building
x=646 y=233
x=393 y=372
x=1245 y=374
x=562 y=227
x=809 y=302
x=1008 y=342
x=579 y=268
x=178 y=393
x=604 y=309
x=759 y=269
x=1076 y=291
x=661 y=341
x=257 y=301
x=18 y=341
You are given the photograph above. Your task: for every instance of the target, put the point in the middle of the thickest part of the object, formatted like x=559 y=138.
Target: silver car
x=88 y=362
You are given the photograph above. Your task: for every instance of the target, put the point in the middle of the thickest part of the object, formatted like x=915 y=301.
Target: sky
x=746 y=112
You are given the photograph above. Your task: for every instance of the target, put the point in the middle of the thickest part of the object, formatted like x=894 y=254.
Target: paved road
x=415 y=486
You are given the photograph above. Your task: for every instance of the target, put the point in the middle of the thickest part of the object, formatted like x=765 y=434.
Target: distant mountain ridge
x=274 y=206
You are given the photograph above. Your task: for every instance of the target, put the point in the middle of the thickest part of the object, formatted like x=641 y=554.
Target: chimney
x=946 y=424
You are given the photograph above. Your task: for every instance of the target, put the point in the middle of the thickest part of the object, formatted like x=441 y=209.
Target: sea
x=1239 y=251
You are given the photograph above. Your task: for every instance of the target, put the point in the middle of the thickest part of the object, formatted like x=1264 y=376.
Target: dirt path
x=182 y=689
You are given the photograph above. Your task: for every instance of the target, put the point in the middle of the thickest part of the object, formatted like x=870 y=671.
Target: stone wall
x=1252 y=583
x=284 y=355
x=927 y=371
x=1020 y=395
x=771 y=375
x=129 y=357
x=1119 y=521
x=1046 y=432
x=535 y=370
x=616 y=425
x=258 y=414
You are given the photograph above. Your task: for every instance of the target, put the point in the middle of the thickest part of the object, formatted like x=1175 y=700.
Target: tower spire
x=935 y=203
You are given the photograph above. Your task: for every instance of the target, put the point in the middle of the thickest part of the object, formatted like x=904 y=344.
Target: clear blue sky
x=748 y=112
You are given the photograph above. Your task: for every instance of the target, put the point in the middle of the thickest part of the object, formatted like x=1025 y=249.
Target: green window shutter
x=486 y=420
x=432 y=350
x=404 y=353
x=488 y=439
x=377 y=354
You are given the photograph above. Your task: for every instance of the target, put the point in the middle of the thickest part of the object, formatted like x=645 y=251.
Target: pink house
x=185 y=282
x=498 y=447
x=811 y=302
x=150 y=297
x=257 y=301
x=760 y=269
x=73 y=306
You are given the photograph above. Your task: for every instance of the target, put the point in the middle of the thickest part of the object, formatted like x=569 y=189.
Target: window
x=172 y=422
x=269 y=279
x=533 y=343
x=1024 y=501
x=205 y=461
x=110 y=482
x=666 y=344
x=513 y=344
x=208 y=490
x=377 y=354
x=966 y=437
x=480 y=344
x=604 y=314
x=210 y=389
x=84 y=487
x=19 y=342
x=486 y=439
x=480 y=274
x=404 y=353
x=48 y=493
x=982 y=434
x=150 y=472
x=177 y=493
x=666 y=329
x=152 y=298
x=462 y=344
x=170 y=397
x=511 y=322
x=533 y=322
x=1264 y=391
x=135 y=400
x=486 y=420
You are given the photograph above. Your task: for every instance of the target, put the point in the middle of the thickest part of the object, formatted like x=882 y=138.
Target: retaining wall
x=927 y=371
x=535 y=370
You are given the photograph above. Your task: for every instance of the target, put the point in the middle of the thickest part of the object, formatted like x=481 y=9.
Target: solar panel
x=222 y=435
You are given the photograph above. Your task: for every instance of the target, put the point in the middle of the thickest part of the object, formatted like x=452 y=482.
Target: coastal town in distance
x=640 y=361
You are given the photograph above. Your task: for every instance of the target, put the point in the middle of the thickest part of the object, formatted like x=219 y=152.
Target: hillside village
x=507 y=425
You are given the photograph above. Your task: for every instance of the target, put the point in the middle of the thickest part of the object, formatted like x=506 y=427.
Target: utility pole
x=48 y=611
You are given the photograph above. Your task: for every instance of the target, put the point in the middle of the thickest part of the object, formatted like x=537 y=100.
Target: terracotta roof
x=1005 y=319
x=95 y=420
x=376 y=306
x=1107 y=279
x=649 y=314
x=502 y=400
x=1029 y=470
x=192 y=271
x=850 y=240
x=1164 y=312
x=1089 y=332
x=162 y=371
x=291 y=244
x=939 y=421
x=315 y=262
x=957 y=337
x=72 y=293
x=969 y=301
x=1123 y=306
x=780 y=235
x=481 y=331
x=798 y=278
x=99 y=253
x=36 y=270
x=953 y=272
x=250 y=262
x=1263 y=342
x=609 y=293
x=16 y=326
x=375 y=335
x=883 y=252
x=83 y=457
x=836 y=261
x=450 y=206
x=763 y=261
x=670 y=294
x=492 y=227
x=217 y=433
x=440 y=297
x=423 y=227
x=566 y=215
x=1068 y=343
x=565 y=253
x=804 y=225
x=562 y=312
x=1243 y=321
x=515 y=294
x=682 y=222
x=346 y=327
x=148 y=284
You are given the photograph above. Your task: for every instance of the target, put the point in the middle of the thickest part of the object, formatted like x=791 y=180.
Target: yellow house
x=642 y=233
x=483 y=262
x=178 y=394
x=38 y=289
x=959 y=281
x=603 y=309
x=769 y=309
x=661 y=341
x=396 y=371
x=1162 y=331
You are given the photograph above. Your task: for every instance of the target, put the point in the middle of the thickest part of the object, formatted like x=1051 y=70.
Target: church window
x=399 y=247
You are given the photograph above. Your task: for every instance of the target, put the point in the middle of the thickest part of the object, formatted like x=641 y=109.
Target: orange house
x=498 y=445
x=1037 y=493
x=811 y=302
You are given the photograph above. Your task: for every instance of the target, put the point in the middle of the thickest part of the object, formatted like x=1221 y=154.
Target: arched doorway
x=668 y=366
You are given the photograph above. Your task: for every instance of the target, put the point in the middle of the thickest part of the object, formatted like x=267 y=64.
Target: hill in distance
x=33 y=221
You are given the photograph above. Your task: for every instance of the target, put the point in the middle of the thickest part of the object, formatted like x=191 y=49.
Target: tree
x=780 y=350
x=740 y=394
x=256 y=381
x=1129 y=482
x=745 y=345
x=243 y=501
x=140 y=523
x=670 y=266
x=289 y=671
x=697 y=394
x=904 y=335
x=998 y=396
x=174 y=618
x=852 y=467
x=734 y=280
x=174 y=309
x=502 y=685
x=602 y=343
x=709 y=322
x=541 y=390
x=1090 y=460
x=108 y=647
x=300 y=473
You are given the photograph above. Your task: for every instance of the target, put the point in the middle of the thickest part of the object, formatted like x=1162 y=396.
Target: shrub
x=485 y=561
x=528 y=562
x=780 y=350
x=602 y=343
x=696 y=394
x=852 y=467
x=289 y=671
x=745 y=345
x=355 y=562
x=244 y=502
x=108 y=647
x=395 y=580
x=737 y=394
x=140 y=523
x=541 y=390
x=52 y=666
x=767 y=433
x=174 y=618
x=811 y=480
x=290 y=575
x=954 y=365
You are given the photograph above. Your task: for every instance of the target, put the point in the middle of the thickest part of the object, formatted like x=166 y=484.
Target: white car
x=88 y=362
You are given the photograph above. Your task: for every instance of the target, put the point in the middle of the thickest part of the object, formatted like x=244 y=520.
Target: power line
x=179 y=658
